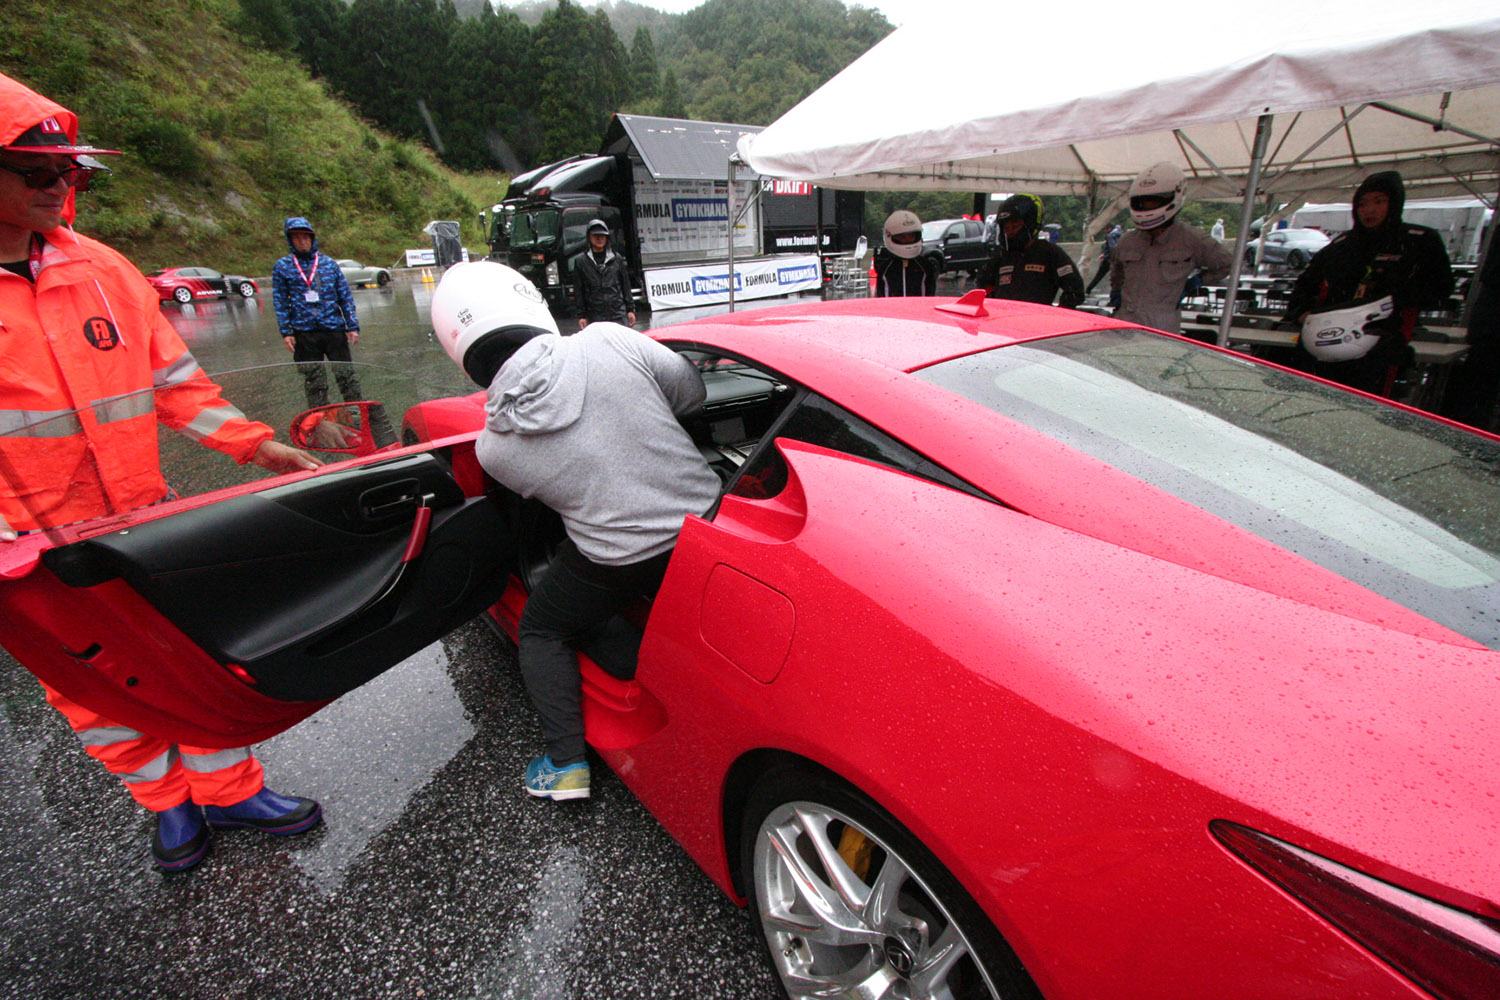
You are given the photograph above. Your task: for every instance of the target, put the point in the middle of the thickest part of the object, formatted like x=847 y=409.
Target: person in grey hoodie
x=589 y=425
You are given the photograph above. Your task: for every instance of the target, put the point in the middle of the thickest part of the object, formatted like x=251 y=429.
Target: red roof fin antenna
x=972 y=304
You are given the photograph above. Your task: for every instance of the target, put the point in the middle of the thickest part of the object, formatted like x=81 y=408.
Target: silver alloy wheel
x=246 y=289
x=182 y=295
x=880 y=934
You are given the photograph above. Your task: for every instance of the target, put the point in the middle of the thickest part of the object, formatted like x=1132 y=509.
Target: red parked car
x=1026 y=653
x=185 y=284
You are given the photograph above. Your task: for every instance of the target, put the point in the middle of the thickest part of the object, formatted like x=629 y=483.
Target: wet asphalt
x=433 y=876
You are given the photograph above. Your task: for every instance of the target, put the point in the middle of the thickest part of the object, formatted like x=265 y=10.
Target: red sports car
x=1026 y=652
x=188 y=283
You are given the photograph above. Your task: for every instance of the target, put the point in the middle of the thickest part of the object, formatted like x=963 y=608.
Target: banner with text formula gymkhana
x=708 y=284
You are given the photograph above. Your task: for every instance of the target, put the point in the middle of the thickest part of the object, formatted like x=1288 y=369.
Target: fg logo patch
x=101 y=333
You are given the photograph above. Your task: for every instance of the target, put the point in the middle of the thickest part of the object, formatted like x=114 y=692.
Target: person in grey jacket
x=589 y=425
x=1153 y=262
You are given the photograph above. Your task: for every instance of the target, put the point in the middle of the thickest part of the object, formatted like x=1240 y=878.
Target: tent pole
x=732 y=160
x=1247 y=212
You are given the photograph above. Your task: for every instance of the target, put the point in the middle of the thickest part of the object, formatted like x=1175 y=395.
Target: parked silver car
x=1288 y=247
x=358 y=274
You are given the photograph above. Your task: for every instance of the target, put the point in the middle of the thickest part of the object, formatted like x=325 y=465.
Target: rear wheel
x=1296 y=259
x=382 y=279
x=849 y=903
x=246 y=289
x=182 y=295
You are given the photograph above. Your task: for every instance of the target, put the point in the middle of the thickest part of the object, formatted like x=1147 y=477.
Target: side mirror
x=359 y=428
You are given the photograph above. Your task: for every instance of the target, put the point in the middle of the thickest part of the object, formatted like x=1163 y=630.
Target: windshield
x=1398 y=503
x=532 y=230
x=933 y=230
x=50 y=476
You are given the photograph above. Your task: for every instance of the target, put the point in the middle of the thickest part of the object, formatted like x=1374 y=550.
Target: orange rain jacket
x=90 y=336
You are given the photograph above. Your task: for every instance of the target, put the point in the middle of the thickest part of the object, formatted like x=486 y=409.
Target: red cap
x=47 y=136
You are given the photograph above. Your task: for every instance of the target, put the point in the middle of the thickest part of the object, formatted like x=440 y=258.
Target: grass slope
x=223 y=141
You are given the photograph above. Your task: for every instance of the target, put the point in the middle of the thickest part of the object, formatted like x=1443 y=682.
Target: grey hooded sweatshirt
x=588 y=425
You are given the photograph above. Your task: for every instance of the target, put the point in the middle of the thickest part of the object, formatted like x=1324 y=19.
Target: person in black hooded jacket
x=1026 y=267
x=601 y=281
x=1380 y=256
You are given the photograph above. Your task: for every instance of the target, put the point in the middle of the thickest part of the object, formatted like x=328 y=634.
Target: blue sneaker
x=181 y=838
x=546 y=780
x=268 y=812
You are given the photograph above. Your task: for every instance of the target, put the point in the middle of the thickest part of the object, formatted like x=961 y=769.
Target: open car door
x=229 y=613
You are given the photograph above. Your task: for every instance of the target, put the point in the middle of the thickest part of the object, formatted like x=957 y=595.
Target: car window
x=817 y=420
x=1399 y=503
x=1277 y=238
x=973 y=230
x=932 y=231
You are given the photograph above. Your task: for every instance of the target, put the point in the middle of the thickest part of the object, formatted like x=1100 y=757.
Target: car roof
x=899 y=334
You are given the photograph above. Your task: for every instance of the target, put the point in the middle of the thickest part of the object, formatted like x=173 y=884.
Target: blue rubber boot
x=268 y=812
x=181 y=839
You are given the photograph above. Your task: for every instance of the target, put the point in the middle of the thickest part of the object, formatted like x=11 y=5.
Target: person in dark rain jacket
x=1381 y=256
x=1024 y=267
x=601 y=281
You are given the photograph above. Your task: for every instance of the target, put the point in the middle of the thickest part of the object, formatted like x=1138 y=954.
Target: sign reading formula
x=681 y=218
x=676 y=287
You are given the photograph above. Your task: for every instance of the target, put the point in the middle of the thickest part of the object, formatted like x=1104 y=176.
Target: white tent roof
x=1075 y=99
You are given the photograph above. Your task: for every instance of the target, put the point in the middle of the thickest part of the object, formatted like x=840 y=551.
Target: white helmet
x=903 y=233
x=486 y=301
x=1340 y=334
x=1157 y=195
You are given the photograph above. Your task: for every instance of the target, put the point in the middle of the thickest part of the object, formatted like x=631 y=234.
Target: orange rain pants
x=159 y=774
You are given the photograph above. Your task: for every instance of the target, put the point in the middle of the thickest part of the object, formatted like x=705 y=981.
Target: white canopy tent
x=1295 y=106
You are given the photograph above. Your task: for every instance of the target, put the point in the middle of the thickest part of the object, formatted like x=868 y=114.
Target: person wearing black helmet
x=1381 y=256
x=1026 y=268
x=601 y=281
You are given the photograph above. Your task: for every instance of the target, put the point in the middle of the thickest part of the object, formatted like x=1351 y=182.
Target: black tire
x=937 y=261
x=382 y=279
x=1250 y=261
x=804 y=814
x=1296 y=260
x=246 y=289
x=182 y=295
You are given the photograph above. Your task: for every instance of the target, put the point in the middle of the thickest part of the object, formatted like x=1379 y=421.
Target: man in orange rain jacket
x=81 y=330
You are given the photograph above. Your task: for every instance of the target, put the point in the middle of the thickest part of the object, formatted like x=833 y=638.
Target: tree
x=582 y=78
x=670 y=105
x=487 y=119
x=319 y=29
x=268 y=23
x=645 y=77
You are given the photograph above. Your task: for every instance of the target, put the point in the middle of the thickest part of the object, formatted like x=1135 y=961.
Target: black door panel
x=306 y=588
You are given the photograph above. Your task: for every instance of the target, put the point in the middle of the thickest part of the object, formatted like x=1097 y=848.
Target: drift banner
x=707 y=284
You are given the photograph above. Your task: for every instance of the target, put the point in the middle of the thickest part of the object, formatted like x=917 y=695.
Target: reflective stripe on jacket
x=90 y=337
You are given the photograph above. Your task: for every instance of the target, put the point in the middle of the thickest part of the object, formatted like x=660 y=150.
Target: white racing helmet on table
x=482 y=311
x=1157 y=194
x=903 y=233
x=1342 y=334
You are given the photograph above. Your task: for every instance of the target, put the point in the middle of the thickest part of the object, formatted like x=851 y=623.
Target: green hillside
x=223 y=140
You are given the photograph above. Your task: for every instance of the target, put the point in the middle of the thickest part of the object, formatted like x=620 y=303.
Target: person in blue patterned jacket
x=315 y=313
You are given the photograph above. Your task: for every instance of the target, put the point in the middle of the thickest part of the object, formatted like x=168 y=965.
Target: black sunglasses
x=38 y=178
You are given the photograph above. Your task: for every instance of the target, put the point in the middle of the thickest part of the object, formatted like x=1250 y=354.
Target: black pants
x=311 y=347
x=576 y=607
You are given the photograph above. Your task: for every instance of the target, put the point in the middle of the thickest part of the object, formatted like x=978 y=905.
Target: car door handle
x=381 y=502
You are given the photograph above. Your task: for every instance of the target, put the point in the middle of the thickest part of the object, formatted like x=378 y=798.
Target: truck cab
x=548 y=227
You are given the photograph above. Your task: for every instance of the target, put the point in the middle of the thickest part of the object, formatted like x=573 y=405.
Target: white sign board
x=689 y=217
x=708 y=284
x=428 y=257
